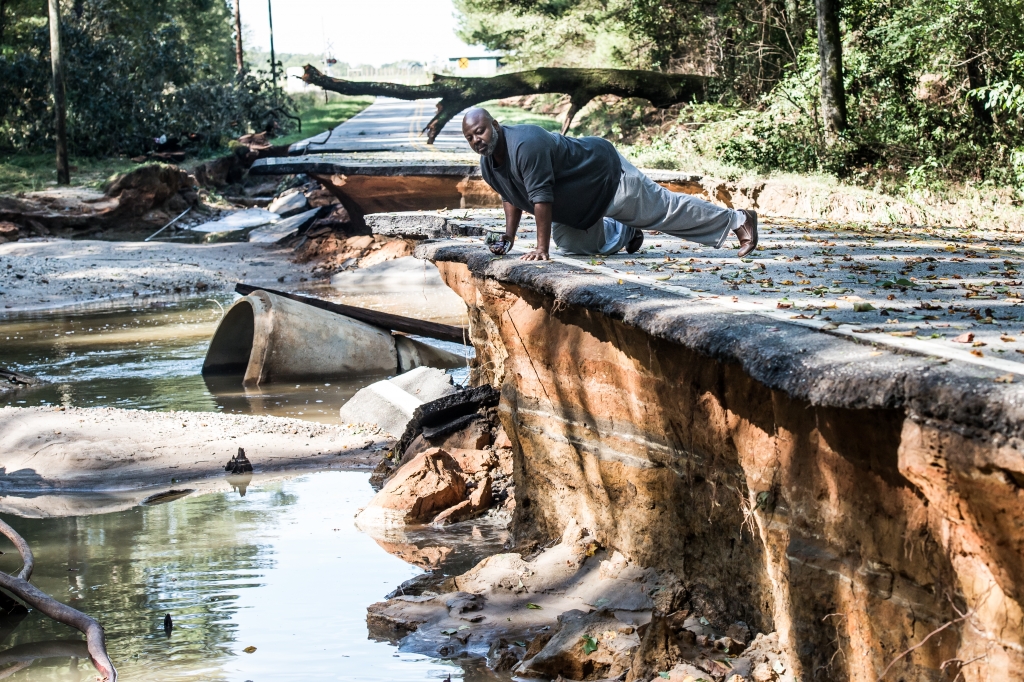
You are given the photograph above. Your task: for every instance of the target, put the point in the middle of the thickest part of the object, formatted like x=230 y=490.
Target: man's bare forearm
x=512 y=217
x=542 y=213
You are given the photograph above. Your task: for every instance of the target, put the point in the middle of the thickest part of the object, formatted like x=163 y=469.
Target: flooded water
x=279 y=566
x=149 y=356
x=282 y=569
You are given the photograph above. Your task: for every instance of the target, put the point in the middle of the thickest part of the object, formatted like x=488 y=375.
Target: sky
x=359 y=31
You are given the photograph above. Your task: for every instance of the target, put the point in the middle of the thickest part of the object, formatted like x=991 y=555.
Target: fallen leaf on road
x=862 y=307
x=1005 y=379
x=966 y=337
x=1007 y=339
x=977 y=353
x=531 y=605
x=249 y=649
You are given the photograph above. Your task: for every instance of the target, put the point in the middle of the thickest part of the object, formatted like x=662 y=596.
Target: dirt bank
x=108 y=449
x=852 y=502
x=53 y=273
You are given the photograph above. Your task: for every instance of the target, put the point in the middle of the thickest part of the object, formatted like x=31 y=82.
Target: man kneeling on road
x=586 y=196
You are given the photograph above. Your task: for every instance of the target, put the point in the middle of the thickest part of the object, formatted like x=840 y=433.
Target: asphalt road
x=390 y=125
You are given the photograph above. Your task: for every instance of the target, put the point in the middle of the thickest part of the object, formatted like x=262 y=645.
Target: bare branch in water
x=21 y=588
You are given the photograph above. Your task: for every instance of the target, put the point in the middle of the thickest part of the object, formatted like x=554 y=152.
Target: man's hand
x=503 y=245
x=536 y=254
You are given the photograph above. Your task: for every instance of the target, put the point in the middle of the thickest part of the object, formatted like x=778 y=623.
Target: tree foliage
x=934 y=88
x=135 y=71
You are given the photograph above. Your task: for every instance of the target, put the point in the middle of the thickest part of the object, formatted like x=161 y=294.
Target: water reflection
x=282 y=569
x=149 y=357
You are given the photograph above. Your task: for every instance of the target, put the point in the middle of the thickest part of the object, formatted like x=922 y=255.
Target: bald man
x=586 y=196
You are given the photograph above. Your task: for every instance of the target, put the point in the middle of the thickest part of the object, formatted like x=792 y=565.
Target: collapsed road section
x=855 y=505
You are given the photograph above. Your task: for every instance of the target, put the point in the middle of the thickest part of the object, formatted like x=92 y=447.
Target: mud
x=49 y=273
x=851 y=502
x=101 y=449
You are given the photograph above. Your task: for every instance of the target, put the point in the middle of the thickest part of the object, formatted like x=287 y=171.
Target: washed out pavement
x=942 y=292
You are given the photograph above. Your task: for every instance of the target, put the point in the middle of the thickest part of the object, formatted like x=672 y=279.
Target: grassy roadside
x=519 y=116
x=33 y=172
x=318 y=116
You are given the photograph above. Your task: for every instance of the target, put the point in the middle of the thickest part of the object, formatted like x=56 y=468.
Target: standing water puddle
x=149 y=356
x=282 y=569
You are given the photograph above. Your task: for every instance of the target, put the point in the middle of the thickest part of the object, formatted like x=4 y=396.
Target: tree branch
x=582 y=85
x=20 y=587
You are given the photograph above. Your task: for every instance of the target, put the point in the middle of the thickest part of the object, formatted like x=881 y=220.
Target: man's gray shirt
x=578 y=176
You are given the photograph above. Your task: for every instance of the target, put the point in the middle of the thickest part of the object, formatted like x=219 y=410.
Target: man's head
x=481 y=130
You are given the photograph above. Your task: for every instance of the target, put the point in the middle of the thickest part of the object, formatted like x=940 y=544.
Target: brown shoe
x=747 y=233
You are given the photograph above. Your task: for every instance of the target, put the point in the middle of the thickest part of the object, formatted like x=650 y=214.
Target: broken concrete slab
x=282 y=229
x=289 y=203
x=235 y=225
x=406 y=274
x=425 y=383
x=420 y=225
x=390 y=404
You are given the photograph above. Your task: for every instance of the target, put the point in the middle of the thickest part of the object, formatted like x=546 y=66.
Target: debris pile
x=453 y=461
x=147 y=196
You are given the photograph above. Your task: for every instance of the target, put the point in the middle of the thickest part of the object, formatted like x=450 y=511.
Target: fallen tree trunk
x=582 y=85
x=21 y=588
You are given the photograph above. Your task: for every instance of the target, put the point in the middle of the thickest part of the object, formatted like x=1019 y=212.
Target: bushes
x=125 y=90
x=935 y=88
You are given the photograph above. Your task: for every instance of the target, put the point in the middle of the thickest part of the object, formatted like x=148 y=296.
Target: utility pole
x=59 y=105
x=273 y=60
x=830 y=52
x=239 y=56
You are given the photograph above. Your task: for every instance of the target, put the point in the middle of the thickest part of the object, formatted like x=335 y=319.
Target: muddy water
x=282 y=569
x=149 y=356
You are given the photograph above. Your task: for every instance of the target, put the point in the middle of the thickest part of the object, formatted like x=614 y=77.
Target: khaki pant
x=642 y=204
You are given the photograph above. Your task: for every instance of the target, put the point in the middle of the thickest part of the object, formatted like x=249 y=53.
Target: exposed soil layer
x=856 y=501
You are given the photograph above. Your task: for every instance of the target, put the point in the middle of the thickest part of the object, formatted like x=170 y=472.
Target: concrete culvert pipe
x=264 y=338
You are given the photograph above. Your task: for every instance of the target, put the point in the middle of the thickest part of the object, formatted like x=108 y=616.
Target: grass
x=318 y=116
x=519 y=116
x=32 y=172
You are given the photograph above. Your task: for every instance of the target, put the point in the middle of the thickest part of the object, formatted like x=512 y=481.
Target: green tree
x=135 y=71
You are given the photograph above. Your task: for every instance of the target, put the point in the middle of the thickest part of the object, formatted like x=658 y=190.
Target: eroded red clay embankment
x=853 y=501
